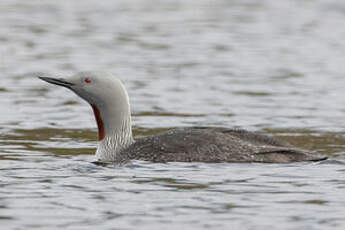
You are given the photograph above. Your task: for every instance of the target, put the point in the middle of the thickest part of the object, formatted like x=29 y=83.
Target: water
x=271 y=66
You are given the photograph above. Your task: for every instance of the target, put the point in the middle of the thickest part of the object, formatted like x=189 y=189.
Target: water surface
x=271 y=66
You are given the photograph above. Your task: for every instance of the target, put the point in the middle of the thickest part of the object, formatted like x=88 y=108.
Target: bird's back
x=206 y=144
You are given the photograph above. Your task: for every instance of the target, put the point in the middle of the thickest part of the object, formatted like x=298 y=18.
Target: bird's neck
x=114 y=131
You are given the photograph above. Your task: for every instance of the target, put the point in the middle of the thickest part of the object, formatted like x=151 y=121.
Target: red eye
x=87 y=80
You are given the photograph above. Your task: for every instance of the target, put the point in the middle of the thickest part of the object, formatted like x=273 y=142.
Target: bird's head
x=108 y=98
x=97 y=88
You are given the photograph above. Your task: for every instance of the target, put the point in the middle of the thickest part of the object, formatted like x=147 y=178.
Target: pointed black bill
x=55 y=81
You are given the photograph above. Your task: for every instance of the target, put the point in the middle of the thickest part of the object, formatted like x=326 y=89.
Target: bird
x=110 y=104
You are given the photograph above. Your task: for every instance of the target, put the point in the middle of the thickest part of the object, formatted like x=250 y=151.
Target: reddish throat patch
x=100 y=123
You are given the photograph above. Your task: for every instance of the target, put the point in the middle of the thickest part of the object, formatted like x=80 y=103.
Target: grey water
x=271 y=66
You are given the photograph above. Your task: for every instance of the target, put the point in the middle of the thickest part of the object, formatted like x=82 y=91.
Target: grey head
x=94 y=86
x=109 y=100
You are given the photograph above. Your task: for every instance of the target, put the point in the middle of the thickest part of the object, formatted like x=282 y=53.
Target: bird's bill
x=57 y=81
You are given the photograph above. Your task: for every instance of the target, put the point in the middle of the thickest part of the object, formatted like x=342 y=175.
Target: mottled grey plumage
x=110 y=102
x=209 y=144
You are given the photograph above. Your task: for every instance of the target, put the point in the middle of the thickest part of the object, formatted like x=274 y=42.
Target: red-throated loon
x=109 y=101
